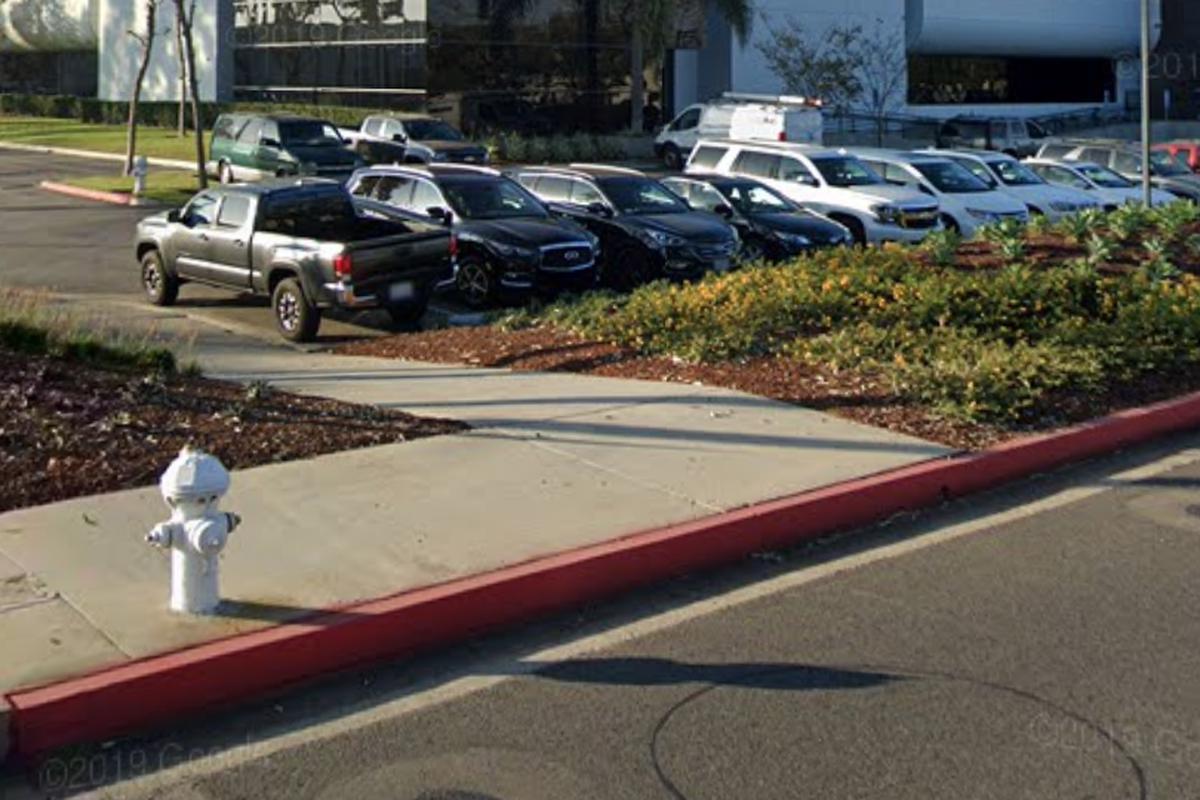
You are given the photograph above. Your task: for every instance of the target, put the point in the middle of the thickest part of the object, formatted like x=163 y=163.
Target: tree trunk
x=183 y=76
x=197 y=122
x=147 y=50
x=637 y=77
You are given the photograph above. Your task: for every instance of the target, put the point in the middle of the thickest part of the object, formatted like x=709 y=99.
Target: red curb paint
x=117 y=198
x=156 y=690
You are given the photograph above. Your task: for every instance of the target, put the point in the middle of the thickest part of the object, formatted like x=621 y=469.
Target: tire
x=295 y=316
x=161 y=287
x=672 y=158
x=753 y=251
x=225 y=173
x=855 y=227
x=406 y=316
x=475 y=281
x=633 y=267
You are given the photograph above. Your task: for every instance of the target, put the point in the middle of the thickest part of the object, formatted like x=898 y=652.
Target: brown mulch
x=860 y=397
x=69 y=429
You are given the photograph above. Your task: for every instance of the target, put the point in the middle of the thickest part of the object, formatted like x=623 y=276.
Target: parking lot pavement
x=72 y=246
x=1036 y=643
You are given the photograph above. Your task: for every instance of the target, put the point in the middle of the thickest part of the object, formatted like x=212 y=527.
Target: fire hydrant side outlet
x=197 y=532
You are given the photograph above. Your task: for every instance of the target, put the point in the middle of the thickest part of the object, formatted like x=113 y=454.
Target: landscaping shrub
x=980 y=344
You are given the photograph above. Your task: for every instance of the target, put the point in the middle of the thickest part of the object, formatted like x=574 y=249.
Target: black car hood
x=695 y=226
x=523 y=231
x=330 y=155
x=819 y=230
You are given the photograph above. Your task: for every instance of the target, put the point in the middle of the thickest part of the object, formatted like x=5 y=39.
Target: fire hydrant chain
x=197 y=531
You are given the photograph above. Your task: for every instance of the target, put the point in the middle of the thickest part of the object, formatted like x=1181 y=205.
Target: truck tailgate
x=420 y=256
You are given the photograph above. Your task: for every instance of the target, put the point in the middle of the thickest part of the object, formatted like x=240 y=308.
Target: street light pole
x=1146 y=102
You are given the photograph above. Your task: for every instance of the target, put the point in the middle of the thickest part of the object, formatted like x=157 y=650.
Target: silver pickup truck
x=300 y=241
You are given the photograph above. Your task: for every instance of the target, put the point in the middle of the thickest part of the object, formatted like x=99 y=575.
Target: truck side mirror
x=438 y=213
x=723 y=210
x=599 y=209
x=400 y=138
x=173 y=215
x=269 y=143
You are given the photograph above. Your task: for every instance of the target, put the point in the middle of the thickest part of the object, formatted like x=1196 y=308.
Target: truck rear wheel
x=161 y=287
x=295 y=316
x=407 y=315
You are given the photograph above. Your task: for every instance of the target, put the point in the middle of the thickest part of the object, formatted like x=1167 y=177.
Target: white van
x=830 y=182
x=740 y=116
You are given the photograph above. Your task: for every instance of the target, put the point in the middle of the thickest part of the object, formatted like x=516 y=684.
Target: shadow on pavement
x=666 y=672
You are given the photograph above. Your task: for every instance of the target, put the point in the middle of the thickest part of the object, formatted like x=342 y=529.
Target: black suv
x=507 y=243
x=646 y=232
x=772 y=227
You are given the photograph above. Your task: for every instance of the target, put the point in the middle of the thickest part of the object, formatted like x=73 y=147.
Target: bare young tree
x=146 y=40
x=821 y=65
x=185 y=18
x=882 y=67
x=183 y=81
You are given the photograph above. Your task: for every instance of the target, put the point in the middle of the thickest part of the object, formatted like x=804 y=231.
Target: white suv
x=1006 y=174
x=967 y=203
x=829 y=182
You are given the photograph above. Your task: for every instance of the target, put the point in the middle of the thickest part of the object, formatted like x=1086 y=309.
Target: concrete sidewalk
x=555 y=462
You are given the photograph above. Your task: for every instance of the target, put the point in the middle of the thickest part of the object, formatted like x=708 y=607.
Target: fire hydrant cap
x=194 y=474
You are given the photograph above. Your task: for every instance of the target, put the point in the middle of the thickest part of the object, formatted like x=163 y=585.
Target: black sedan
x=772 y=227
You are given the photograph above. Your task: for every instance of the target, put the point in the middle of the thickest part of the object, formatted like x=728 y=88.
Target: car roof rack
x=582 y=166
x=774 y=99
x=468 y=168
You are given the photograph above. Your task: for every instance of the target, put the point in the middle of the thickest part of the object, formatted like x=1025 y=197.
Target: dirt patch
x=69 y=429
x=854 y=395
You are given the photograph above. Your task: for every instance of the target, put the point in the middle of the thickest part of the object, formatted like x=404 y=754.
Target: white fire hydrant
x=197 y=532
x=141 y=168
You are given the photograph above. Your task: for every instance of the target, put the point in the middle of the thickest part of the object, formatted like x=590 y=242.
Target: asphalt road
x=1040 y=642
x=73 y=246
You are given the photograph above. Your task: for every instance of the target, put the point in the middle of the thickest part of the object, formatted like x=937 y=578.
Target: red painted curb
x=117 y=198
x=157 y=690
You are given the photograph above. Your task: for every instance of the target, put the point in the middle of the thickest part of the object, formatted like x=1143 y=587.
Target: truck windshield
x=491 y=199
x=432 y=130
x=948 y=177
x=306 y=133
x=641 y=196
x=846 y=171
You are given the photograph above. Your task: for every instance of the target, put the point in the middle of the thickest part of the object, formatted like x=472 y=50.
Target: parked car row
x=324 y=229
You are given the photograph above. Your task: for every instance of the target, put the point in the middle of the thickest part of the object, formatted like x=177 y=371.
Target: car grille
x=918 y=220
x=719 y=251
x=566 y=257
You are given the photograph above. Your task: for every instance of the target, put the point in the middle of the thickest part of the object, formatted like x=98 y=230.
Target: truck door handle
x=204 y=237
x=238 y=243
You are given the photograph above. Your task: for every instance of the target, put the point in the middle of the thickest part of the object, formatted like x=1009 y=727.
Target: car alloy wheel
x=287 y=310
x=474 y=282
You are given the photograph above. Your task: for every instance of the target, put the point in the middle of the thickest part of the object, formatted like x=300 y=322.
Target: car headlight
x=980 y=214
x=512 y=251
x=661 y=239
x=795 y=239
x=886 y=213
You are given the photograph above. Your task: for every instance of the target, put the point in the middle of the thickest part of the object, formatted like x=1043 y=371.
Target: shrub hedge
x=995 y=345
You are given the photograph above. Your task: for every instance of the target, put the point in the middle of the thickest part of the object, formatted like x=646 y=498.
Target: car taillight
x=453 y=246
x=343 y=265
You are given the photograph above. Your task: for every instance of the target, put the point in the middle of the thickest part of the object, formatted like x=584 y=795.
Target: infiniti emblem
x=571 y=255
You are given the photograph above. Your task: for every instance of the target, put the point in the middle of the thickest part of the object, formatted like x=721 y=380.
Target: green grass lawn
x=152 y=142
x=170 y=187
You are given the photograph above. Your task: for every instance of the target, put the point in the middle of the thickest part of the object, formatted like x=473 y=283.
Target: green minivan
x=247 y=147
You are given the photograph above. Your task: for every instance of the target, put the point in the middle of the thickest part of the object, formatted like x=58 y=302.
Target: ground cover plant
x=965 y=342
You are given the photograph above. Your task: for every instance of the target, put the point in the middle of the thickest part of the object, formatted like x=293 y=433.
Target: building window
x=971 y=80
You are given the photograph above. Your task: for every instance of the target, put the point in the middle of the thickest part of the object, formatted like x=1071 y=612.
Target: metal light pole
x=1146 y=102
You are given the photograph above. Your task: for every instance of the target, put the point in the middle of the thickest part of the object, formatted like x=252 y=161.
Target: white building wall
x=120 y=52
